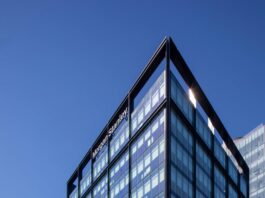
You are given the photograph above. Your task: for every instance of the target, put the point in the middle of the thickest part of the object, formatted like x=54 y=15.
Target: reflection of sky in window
x=149 y=83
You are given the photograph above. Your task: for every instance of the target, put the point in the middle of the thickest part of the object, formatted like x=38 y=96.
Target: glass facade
x=179 y=97
x=219 y=183
x=232 y=192
x=147 y=154
x=203 y=130
x=119 y=177
x=219 y=153
x=101 y=162
x=203 y=173
x=162 y=145
x=86 y=179
x=149 y=103
x=181 y=158
x=252 y=147
x=208 y=168
x=100 y=190
x=119 y=139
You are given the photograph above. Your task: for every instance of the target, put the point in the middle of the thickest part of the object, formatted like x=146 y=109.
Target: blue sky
x=66 y=65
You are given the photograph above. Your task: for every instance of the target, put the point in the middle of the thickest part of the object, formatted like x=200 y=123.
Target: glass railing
x=232 y=171
x=154 y=97
x=203 y=130
x=180 y=98
x=219 y=153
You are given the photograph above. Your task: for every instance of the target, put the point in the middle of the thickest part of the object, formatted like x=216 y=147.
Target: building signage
x=110 y=132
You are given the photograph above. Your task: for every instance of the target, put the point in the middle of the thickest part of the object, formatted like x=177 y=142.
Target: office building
x=164 y=140
x=252 y=148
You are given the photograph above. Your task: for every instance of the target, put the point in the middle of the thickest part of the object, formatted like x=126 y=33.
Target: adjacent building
x=164 y=140
x=252 y=148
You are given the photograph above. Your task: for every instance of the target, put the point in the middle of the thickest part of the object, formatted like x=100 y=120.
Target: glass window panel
x=243 y=185
x=203 y=130
x=219 y=153
x=74 y=189
x=203 y=182
x=181 y=99
x=119 y=138
x=100 y=162
x=181 y=186
x=101 y=188
x=147 y=157
x=86 y=179
x=89 y=195
x=181 y=133
x=74 y=194
x=232 y=192
x=150 y=101
x=232 y=171
x=119 y=177
x=218 y=193
x=181 y=158
x=203 y=159
x=219 y=179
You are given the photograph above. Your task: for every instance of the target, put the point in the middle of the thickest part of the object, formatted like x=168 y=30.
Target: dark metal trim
x=204 y=102
x=167 y=123
x=130 y=107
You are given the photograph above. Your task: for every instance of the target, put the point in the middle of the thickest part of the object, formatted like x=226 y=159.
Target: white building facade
x=252 y=148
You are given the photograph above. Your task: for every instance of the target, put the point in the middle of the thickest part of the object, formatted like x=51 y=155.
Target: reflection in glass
x=147 y=154
x=149 y=103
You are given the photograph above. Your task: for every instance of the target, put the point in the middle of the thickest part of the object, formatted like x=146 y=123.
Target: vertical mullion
x=194 y=141
x=108 y=182
x=238 y=185
x=79 y=175
x=247 y=184
x=246 y=173
x=129 y=144
x=67 y=191
x=213 y=164
x=167 y=123
x=92 y=175
x=226 y=175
